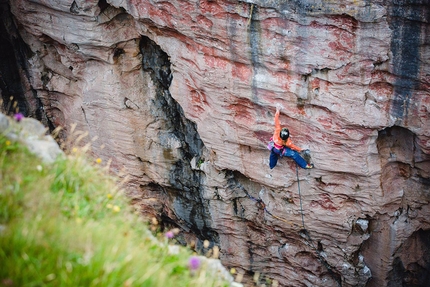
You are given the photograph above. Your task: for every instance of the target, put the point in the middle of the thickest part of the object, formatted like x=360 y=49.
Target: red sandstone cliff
x=181 y=95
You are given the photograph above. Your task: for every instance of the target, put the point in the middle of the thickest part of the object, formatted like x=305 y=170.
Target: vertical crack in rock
x=14 y=75
x=255 y=50
x=85 y=115
x=405 y=22
x=10 y=62
x=181 y=134
x=10 y=82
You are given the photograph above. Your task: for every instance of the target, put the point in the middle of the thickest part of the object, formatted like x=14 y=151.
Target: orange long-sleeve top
x=277 y=137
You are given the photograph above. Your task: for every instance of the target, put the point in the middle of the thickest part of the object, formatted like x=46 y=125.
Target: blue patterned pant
x=276 y=153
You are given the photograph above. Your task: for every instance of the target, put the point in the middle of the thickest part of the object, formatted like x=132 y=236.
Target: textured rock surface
x=181 y=96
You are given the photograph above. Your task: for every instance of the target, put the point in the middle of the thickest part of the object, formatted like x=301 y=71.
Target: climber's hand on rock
x=279 y=107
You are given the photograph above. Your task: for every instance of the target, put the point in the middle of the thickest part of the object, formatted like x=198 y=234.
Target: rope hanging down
x=305 y=234
x=300 y=197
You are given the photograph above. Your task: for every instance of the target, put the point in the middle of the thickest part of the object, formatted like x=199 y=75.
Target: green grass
x=68 y=224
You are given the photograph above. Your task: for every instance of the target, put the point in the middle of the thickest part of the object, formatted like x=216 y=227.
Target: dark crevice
x=85 y=115
x=74 y=9
x=118 y=52
x=102 y=5
x=424 y=180
x=255 y=46
x=409 y=264
x=188 y=204
x=412 y=270
x=12 y=59
x=406 y=20
x=14 y=74
x=235 y=206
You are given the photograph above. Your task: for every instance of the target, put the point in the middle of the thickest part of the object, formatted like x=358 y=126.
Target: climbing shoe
x=309 y=166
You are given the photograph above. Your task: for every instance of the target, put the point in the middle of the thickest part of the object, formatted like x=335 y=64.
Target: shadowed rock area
x=180 y=97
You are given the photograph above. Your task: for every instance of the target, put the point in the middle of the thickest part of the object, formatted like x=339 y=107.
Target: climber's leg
x=296 y=156
x=273 y=158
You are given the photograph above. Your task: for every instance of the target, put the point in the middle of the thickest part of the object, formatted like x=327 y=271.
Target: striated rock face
x=181 y=95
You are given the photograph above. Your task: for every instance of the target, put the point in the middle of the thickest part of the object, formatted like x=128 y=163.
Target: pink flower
x=169 y=234
x=194 y=263
x=18 y=117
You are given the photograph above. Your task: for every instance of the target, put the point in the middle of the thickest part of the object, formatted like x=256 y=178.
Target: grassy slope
x=68 y=224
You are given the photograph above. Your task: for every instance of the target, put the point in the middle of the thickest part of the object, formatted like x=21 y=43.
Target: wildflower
x=74 y=150
x=194 y=263
x=39 y=167
x=109 y=195
x=116 y=208
x=169 y=234
x=18 y=117
x=109 y=205
x=7 y=143
x=233 y=271
x=98 y=160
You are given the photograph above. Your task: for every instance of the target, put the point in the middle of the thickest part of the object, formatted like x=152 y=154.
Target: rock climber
x=283 y=146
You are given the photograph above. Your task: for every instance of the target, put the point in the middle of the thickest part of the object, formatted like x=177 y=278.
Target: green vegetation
x=68 y=224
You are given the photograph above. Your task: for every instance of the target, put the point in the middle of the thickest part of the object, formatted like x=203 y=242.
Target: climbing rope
x=300 y=196
x=305 y=234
